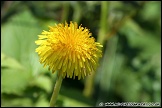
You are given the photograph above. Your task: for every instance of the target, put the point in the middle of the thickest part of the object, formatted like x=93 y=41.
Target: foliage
x=130 y=70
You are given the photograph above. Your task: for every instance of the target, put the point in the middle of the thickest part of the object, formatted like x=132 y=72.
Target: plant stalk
x=56 y=91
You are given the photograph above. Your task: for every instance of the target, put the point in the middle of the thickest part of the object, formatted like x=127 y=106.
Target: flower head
x=69 y=49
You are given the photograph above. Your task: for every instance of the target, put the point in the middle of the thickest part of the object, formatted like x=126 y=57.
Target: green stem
x=65 y=13
x=89 y=84
x=77 y=12
x=88 y=90
x=56 y=91
x=103 y=22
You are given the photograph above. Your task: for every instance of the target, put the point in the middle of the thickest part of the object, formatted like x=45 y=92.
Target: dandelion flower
x=69 y=49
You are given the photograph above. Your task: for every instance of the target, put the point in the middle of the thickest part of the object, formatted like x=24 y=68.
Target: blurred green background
x=129 y=71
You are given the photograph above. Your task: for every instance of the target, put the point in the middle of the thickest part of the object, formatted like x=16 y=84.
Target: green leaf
x=139 y=38
x=19 y=42
x=42 y=101
x=9 y=62
x=73 y=98
x=70 y=102
x=14 y=81
x=17 y=102
x=151 y=11
x=43 y=82
x=128 y=87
